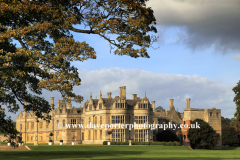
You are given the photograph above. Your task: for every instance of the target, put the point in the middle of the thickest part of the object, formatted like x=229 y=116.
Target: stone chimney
x=109 y=94
x=69 y=106
x=134 y=96
x=122 y=93
x=52 y=102
x=171 y=104
x=188 y=103
x=153 y=105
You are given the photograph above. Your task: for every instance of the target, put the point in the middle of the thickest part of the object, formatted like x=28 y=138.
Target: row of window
x=142 y=106
x=96 y=136
x=141 y=119
x=118 y=119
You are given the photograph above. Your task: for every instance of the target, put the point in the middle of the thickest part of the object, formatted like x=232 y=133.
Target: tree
x=44 y=31
x=229 y=136
x=225 y=121
x=204 y=137
x=159 y=109
x=167 y=136
x=236 y=99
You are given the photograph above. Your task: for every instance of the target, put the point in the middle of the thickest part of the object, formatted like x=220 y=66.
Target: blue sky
x=197 y=57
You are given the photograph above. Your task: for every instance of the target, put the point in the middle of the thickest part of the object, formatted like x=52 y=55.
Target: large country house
x=77 y=124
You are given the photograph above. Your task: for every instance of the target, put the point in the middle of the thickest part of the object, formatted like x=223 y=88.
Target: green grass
x=68 y=152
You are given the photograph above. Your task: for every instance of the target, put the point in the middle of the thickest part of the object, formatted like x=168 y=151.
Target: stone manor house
x=66 y=120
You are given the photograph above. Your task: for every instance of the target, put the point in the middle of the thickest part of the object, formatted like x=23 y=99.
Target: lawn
x=119 y=152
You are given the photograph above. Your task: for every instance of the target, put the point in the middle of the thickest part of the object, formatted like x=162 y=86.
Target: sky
x=197 y=56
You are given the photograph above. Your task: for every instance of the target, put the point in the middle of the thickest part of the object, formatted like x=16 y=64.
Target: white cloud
x=160 y=87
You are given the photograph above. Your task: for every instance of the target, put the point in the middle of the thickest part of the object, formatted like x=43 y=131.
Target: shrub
x=167 y=135
x=61 y=140
x=105 y=142
x=50 y=140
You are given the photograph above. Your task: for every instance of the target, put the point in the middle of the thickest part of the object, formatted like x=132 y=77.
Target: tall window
x=210 y=114
x=100 y=134
x=47 y=123
x=120 y=105
x=64 y=123
x=40 y=124
x=118 y=135
x=141 y=135
x=118 y=119
x=73 y=121
x=141 y=119
x=32 y=125
x=100 y=106
x=89 y=120
x=20 y=127
x=57 y=134
x=95 y=120
x=100 y=120
x=89 y=135
x=95 y=136
x=90 y=107
x=82 y=121
x=28 y=125
x=143 y=105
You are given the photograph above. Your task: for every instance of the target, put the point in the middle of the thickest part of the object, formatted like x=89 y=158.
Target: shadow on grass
x=229 y=148
x=20 y=155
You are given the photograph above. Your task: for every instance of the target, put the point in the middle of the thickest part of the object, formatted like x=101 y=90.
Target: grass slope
x=69 y=152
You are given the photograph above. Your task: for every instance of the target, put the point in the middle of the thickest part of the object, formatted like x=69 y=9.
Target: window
x=100 y=135
x=210 y=114
x=118 y=119
x=57 y=122
x=141 y=135
x=32 y=125
x=100 y=120
x=142 y=105
x=118 y=135
x=73 y=121
x=57 y=133
x=82 y=136
x=89 y=120
x=100 y=106
x=95 y=136
x=95 y=120
x=20 y=127
x=82 y=121
x=120 y=105
x=184 y=137
x=90 y=107
x=89 y=135
x=64 y=123
x=28 y=125
x=40 y=124
x=141 y=119
x=47 y=123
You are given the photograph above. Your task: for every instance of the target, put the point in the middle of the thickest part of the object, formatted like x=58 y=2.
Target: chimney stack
x=188 y=103
x=109 y=94
x=153 y=105
x=69 y=106
x=52 y=102
x=122 y=93
x=171 y=102
x=134 y=96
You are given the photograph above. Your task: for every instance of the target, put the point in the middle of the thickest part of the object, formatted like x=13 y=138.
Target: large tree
x=236 y=99
x=204 y=137
x=44 y=31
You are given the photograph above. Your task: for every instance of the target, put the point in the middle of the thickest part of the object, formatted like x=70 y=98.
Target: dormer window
x=100 y=106
x=142 y=106
x=120 y=105
x=90 y=107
